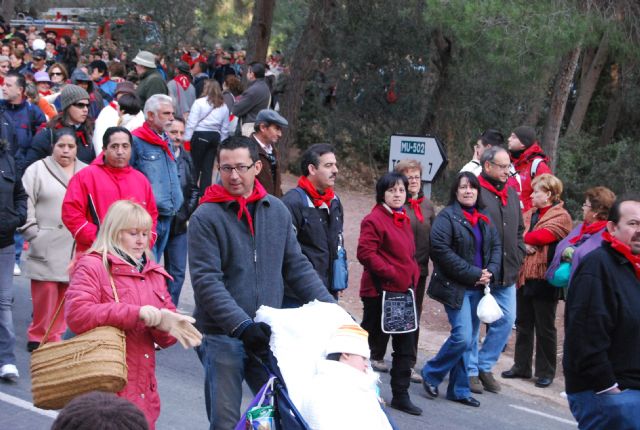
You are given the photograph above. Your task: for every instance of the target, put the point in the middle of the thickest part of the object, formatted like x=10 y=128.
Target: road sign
x=425 y=149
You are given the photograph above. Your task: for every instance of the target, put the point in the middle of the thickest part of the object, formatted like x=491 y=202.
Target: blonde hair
x=407 y=164
x=550 y=184
x=122 y=215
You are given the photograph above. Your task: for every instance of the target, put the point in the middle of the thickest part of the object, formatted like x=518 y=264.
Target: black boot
x=402 y=402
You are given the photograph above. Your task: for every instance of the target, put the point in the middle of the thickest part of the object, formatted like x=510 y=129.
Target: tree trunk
x=311 y=42
x=439 y=63
x=615 y=107
x=538 y=100
x=588 y=86
x=260 y=30
x=558 y=105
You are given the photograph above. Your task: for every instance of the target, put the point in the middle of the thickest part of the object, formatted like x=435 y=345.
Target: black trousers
x=403 y=345
x=204 y=145
x=535 y=319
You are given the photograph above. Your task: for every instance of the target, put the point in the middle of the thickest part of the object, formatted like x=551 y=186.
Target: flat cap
x=269 y=116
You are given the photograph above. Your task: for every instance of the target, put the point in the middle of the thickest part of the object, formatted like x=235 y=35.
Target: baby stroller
x=298 y=339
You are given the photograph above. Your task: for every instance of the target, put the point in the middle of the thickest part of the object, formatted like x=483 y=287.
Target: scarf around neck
x=623 y=249
x=317 y=198
x=473 y=216
x=486 y=184
x=399 y=215
x=416 y=208
x=182 y=81
x=148 y=135
x=79 y=132
x=589 y=229
x=216 y=193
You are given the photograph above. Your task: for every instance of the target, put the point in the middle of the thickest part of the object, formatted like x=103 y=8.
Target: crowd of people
x=109 y=168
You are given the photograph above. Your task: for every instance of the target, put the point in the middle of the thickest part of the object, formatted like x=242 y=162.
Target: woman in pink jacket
x=144 y=310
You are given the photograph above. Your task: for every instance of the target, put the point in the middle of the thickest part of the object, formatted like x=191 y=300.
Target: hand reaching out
x=181 y=327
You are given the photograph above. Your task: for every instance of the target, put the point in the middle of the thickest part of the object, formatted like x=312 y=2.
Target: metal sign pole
x=426 y=189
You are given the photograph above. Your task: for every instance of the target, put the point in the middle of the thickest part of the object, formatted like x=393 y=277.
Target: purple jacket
x=588 y=243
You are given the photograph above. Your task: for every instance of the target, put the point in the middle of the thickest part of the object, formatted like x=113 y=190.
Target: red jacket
x=187 y=58
x=104 y=185
x=387 y=252
x=522 y=165
x=90 y=304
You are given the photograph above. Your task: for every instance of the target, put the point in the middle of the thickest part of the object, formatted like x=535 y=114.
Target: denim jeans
x=162 y=230
x=497 y=334
x=7 y=332
x=606 y=411
x=19 y=244
x=225 y=367
x=175 y=262
x=453 y=357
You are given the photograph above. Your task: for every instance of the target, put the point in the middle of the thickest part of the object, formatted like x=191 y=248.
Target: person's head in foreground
x=349 y=345
x=100 y=411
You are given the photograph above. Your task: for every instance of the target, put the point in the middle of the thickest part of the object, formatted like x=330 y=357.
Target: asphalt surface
x=180 y=384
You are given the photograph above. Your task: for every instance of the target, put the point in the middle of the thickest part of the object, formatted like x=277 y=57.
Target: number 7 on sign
x=430 y=167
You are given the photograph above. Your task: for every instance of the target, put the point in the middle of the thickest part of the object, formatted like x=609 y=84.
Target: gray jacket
x=508 y=222
x=233 y=273
x=255 y=98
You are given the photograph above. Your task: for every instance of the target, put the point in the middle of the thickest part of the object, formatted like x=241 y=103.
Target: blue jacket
x=26 y=120
x=161 y=171
x=109 y=90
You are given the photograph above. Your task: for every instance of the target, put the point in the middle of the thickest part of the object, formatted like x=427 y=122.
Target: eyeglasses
x=56 y=74
x=501 y=166
x=413 y=178
x=240 y=169
x=81 y=105
x=584 y=205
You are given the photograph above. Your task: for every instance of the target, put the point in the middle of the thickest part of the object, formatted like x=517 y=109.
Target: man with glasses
x=486 y=140
x=242 y=250
x=503 y=206
x=38 y=63
x=268 y=131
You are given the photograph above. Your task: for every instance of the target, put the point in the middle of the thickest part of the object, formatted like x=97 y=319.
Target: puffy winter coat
x=90 y=303
x=523 y=166
x=452 y=252
x=103 y=185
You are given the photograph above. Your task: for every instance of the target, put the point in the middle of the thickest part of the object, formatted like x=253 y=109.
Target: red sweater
x=104 y=185
x=387 y=252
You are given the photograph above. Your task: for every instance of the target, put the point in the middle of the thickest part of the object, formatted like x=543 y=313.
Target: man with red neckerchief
x=182 y=91
x=602 y=328
x=529 y=161
x=242 y=250
x=317 y=213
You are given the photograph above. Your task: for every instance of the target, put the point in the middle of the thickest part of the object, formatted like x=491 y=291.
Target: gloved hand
x=150 y=315
x=181 y=327
x=256 y=339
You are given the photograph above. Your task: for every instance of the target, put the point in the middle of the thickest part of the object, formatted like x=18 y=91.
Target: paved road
x=180 y=384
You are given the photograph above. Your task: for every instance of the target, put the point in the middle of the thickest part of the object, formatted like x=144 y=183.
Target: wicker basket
x=61 y=371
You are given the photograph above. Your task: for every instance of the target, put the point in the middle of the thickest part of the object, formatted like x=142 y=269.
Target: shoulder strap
x=534 y=166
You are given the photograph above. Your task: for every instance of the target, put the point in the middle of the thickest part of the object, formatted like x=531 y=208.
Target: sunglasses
x=56 y=74
x=37 y=59
x=81 y=105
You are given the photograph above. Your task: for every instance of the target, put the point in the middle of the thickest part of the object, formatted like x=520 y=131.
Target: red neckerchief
x=1 y=80
x=145 y=133
x=623 y=249
x=317 y=198
x=504 y=194
x=415 y=207
x=114 y=105
x=45 y=93
x=183 y=81
x=218 y=194
x=475 y=216
x=103 y=81
x=79 y=134
x=589 y=229
x=529 y=154
x=399 y=217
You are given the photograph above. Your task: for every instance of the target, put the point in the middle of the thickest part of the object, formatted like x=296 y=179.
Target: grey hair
x=490 y=154
x=153 y=103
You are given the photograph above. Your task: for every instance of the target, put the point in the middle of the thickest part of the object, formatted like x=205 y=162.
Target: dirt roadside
x=434 y=324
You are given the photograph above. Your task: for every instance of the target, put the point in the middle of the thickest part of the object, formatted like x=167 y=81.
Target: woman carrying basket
x=141 y=306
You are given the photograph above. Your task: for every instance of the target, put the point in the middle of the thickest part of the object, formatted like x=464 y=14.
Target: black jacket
x=602 y=324
x=190 y=191
x=510 y=227
x=317 y=230
x=452 y=253
x=13 y=198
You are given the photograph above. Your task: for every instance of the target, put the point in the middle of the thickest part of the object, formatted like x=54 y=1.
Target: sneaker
x=474 y=385
x=379 y=366
x=489 y=382
x=416 y=378
x=16 y=270
x=9 y=372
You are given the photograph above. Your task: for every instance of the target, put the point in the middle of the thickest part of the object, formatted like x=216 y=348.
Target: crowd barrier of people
x=110 y=166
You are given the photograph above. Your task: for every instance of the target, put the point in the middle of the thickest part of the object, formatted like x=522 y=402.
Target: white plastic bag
x=488 y=309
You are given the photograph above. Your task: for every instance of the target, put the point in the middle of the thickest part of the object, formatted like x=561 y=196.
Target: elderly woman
x=546 y=224
x=386 y=250
x=51 y=245
x=466 y=255
x=421 y=214
x=584 y=238
x=74 y=114
x=120 y=258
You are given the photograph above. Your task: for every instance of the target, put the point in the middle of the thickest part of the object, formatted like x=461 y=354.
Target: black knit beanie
x=527 y=135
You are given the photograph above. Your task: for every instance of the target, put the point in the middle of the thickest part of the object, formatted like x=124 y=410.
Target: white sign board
x=424 y=149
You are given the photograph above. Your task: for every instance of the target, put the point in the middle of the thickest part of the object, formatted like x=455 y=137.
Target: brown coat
x=272 y=183
x=558 y=221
